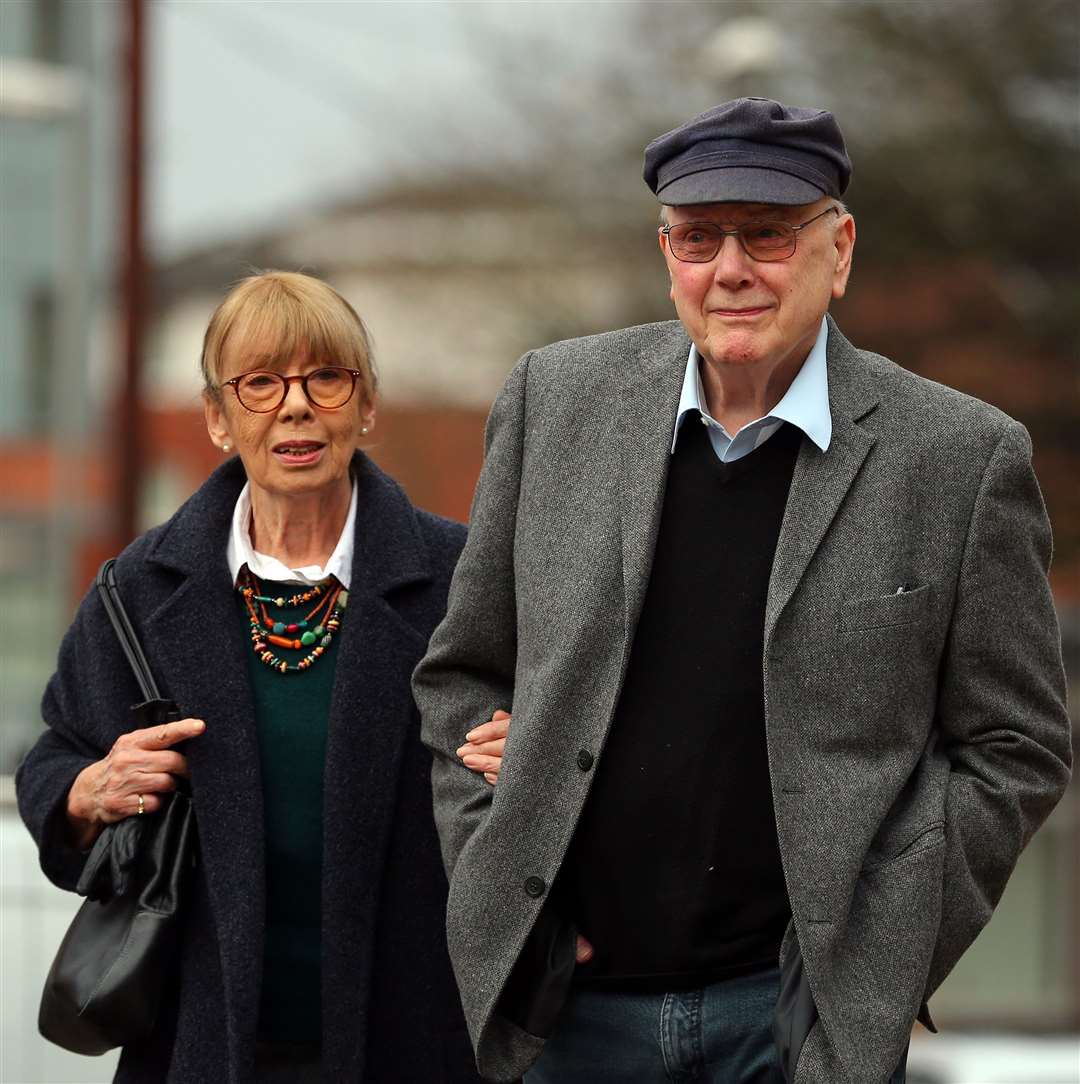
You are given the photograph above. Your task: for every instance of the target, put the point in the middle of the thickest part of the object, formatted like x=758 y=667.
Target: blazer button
x=584 y=760
x=535 y=887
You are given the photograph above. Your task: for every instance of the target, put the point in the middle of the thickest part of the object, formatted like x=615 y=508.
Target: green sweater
x=291 y=714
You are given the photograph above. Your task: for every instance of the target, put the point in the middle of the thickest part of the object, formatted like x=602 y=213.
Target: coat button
x=584 y=760
x=535 y=887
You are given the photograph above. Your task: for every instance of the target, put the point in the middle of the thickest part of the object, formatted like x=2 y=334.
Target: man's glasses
x=261 y=391
x=699 y=242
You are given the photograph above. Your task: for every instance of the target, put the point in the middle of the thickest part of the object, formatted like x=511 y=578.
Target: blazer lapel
x=647 y=406
x=371 y=716
x=822 y=479
x=197 y=642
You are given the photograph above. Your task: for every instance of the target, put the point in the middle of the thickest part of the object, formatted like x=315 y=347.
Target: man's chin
x=738 y=352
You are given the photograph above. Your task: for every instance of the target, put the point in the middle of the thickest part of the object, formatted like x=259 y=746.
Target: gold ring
x=142 y=807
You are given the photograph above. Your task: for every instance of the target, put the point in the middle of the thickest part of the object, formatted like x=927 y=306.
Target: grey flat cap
x=750 y=150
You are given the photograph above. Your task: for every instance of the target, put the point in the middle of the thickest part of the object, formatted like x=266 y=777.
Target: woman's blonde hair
x=284 y=313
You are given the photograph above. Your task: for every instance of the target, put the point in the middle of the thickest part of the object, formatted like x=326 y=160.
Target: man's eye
x=696 y=237
x=765 y=231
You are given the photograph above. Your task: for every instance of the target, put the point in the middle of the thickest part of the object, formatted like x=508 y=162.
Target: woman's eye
x=325 y=376
x=259 y=380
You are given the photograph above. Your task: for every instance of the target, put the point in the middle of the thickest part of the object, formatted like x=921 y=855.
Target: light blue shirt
x=805 y=404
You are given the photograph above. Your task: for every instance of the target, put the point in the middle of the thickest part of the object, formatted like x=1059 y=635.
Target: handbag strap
x=109 y=593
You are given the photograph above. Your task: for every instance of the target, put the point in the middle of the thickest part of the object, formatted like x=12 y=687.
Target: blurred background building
x=469 y=177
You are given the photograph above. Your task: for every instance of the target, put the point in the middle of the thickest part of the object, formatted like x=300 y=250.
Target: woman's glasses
x=261 y=391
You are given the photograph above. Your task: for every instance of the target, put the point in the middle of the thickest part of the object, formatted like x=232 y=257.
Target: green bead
x=343 y=600
x=279 y=627
x=318 y=630
x=307 y=639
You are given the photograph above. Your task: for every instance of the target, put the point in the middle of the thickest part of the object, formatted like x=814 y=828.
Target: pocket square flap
x=881 y=611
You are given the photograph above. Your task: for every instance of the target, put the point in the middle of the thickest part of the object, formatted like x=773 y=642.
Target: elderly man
x=772 y=619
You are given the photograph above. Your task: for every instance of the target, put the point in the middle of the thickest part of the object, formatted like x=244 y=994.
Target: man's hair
x=281 y=314
x=840 y=206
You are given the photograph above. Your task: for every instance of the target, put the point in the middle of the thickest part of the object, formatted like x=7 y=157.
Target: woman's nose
x=296 y=402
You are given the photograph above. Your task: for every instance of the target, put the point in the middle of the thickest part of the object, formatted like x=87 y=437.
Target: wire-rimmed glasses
x=699 y=242
x=262 y=391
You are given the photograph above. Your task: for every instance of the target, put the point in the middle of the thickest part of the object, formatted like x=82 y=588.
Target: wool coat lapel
x=647 y=408
x=370 y=716
x=198 y=644
x=822 y=479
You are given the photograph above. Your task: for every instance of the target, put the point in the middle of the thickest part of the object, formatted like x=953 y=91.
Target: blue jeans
x=719 y=1035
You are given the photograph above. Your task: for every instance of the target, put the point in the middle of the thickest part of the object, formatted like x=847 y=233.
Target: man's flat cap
x=750 y=150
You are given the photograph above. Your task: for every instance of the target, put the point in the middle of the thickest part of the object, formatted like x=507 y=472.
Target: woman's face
x=297 y=449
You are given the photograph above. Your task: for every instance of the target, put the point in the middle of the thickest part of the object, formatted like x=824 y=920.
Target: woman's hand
x=483 y=748
x=140 y=763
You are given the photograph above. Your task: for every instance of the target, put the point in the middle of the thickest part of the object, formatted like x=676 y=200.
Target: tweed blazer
x=391 y=1012
x=914 y=692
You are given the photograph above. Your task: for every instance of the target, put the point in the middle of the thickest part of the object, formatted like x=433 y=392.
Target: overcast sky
x=262 y=108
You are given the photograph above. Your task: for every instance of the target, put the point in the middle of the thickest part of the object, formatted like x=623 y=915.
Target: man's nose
x=732 y=265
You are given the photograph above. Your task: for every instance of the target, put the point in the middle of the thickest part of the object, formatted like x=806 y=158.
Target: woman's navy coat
x=390 y=1006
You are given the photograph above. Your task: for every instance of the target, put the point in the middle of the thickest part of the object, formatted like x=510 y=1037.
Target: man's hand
x=584 y=950
x=483 y=748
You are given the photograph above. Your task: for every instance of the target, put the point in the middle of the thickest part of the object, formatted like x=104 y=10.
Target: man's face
x=743 y=312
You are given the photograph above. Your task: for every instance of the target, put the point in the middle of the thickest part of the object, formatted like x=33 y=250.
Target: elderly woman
x=283 y=607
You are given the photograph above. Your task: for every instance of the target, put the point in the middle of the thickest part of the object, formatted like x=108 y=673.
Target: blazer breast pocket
x=883 y=611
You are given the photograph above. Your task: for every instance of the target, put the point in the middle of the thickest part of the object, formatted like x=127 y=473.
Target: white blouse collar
x=241 y=552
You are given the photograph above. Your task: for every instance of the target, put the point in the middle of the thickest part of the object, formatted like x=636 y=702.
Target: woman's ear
x=216 y=425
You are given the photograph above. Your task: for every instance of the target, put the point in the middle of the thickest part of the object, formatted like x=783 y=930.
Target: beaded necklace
x=266 y=630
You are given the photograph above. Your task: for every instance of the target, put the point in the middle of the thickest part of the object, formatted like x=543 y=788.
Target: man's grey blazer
x=914 y=692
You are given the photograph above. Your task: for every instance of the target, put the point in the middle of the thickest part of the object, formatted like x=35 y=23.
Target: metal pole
x=70 y=386
x=128 y=428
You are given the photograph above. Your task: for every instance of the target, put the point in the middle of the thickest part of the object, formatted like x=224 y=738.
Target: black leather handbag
x=118 y=956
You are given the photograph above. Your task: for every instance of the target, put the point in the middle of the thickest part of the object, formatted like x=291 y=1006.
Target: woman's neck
x=300 y=530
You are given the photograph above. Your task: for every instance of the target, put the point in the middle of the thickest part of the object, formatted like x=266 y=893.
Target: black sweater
x=674 y=871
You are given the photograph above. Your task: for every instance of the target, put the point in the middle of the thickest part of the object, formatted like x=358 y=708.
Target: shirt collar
x=805 y=404
x=241 y=552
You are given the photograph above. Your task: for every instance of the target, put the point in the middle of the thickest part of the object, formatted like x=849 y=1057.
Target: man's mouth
x=750 y=310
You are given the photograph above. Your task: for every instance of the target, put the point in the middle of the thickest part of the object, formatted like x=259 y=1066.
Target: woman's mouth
x=298 y=453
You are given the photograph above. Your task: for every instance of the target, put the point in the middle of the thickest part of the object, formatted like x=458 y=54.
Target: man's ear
x=844 y=243
x=661 y=237
x=215 y=421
